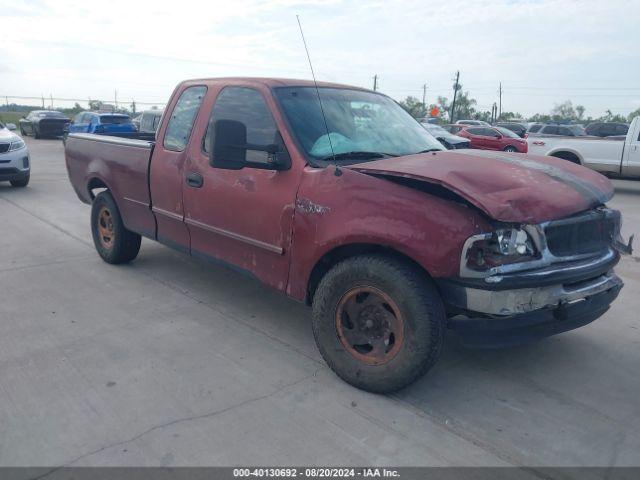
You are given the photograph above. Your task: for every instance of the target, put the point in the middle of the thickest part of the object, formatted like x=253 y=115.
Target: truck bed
x=120 y=164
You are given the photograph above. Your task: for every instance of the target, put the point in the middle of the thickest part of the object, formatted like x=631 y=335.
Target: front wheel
x=379 y=322
x=23 y=182
x=114 y=243
x=510 y=148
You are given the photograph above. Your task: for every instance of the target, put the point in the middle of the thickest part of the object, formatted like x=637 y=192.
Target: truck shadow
x=265 y=310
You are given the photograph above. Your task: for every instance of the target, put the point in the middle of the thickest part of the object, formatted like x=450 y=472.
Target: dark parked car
x=517 y=128
x=44 y=123
x=449 y=140
x=607 y=129
x=566 y=130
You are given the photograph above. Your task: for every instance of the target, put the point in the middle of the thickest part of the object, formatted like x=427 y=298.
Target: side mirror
x=228 y=141
x=11 y=126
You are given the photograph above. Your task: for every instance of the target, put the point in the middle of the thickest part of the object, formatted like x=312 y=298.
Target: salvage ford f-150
x=337 y=197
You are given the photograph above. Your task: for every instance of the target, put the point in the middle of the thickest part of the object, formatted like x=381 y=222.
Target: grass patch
x=11 y=117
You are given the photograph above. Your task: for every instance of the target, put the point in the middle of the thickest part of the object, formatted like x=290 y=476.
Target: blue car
x=102 y=123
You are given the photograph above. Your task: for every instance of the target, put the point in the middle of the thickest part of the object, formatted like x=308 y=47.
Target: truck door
x=631 y=158
x=241 y=217
x=166 y=171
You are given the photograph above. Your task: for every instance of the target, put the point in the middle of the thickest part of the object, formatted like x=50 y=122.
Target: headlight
x=501 y=247
x=16 y=145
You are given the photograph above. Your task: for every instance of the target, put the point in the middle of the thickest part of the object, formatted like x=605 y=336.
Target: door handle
x=195 y=180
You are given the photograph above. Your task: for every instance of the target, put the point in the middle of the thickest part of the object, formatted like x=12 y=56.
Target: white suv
x=15 y=164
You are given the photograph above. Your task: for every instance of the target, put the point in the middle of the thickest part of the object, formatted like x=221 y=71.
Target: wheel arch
x=567 y=154
x=339 y=253
x=94 y=183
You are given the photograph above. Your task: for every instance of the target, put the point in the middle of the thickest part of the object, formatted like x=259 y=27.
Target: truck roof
x=268 y=81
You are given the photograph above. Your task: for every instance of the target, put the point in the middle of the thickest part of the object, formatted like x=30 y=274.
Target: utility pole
x=42 y=95
x=424 y=96
x=133 y=106
x=500 y=100
x=494 y=111
x=375 y=82
x=51 y=98
x=456 y=87
x=115 y=96
x=6 y=99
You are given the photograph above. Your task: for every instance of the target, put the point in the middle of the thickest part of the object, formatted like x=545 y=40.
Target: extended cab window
x=182 y=118
x=245 y=105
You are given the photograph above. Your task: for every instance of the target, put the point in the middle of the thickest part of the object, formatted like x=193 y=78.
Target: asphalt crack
x=177 y=421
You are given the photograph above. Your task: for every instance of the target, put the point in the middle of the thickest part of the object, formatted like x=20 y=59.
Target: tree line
x=466 y=108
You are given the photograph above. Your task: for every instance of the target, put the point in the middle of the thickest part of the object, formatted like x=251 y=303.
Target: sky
x=543 y=51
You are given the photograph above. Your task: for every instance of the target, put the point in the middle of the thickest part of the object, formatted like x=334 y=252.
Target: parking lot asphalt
x=169 y=361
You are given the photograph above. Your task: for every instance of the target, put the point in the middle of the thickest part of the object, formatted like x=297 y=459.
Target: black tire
x=36 y=134
x=416 y=299
x=23 y=182
x=123 y=245
x=22 y=132
x=570 y=157
x=510 y=148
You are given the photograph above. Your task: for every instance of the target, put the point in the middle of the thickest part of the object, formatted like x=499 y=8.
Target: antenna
x=324 y=119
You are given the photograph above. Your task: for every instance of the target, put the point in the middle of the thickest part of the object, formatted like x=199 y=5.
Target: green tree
x=634 y=114
x=95 y=105
x=414 y=106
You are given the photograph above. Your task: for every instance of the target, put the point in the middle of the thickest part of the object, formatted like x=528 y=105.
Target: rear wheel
x=510 y=148
x=36 y=134
x=378 y=322
x=114 y=243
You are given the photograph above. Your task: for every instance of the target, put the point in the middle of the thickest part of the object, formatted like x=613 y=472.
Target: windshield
x=114 y=119
x=506 y=132
x=359 y=122
x=435 y=129
x=577 y=130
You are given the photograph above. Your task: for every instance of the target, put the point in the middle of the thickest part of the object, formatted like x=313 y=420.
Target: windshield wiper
x=357 y=155
x=430 y=150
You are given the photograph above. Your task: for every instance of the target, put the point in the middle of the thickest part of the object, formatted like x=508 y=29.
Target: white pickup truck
x=620 y=157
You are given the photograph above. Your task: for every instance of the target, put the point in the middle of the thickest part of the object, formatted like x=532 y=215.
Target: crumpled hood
x=508 y=187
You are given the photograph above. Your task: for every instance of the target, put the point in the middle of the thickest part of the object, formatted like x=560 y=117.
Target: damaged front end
x=522 y=282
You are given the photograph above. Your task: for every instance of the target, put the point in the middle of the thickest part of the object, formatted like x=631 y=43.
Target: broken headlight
x=502 y=247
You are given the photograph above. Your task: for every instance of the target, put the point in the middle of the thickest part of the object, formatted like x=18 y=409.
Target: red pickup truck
x=338 y=198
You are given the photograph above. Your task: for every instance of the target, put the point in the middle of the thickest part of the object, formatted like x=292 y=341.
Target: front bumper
x=14 y=165
x=529 y=304
x=527 y=327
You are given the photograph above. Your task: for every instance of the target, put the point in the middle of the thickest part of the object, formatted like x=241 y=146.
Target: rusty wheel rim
x=105 y=228
x=369 y=325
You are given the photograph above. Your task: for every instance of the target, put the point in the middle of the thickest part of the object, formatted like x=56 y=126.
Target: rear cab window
x=114 y=119
x=182 y=118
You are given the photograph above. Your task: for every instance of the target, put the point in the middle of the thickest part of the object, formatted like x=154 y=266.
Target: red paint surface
x=278 y=225
x=500 y=184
